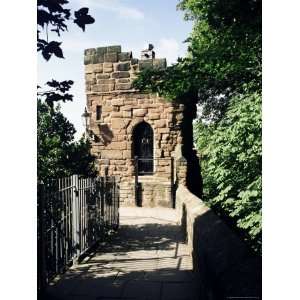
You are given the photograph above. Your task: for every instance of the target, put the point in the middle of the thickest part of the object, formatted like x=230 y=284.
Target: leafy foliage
x=54 y=15
x=222 y=73
x=58 y=154
x=57 y=93
x=224 y=54
x=231 y=164
x=171 y=83
x=82 y=18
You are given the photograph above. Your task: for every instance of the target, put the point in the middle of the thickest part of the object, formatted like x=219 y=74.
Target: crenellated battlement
x=108 y=69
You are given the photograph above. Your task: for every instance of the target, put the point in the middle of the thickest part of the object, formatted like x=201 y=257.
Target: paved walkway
x=146 y=260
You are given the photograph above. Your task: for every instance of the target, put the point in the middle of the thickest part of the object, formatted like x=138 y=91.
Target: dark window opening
x=96 y=139
x=143 y=148
x=98 y=112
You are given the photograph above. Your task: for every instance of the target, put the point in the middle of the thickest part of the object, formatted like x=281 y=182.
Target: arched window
x=143 y=148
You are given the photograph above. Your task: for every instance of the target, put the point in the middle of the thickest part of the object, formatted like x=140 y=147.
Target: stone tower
x=126 y=123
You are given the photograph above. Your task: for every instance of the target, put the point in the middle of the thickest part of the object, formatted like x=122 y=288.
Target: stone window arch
x=143 y=147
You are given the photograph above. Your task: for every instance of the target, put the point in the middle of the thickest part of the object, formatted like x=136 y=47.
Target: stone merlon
x=114 y=54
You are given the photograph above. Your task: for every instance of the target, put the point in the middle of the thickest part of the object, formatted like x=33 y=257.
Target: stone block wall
x=224 y=265
x=226 y=268
x=152 y=192
x=109 y=74
x=107 y=69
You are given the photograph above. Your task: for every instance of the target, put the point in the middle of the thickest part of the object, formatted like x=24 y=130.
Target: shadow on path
x=146 y=260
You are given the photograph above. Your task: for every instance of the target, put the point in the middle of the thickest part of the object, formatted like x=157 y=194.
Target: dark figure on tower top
x=148 y=53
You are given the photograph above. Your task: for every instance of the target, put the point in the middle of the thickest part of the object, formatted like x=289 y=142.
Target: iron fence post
x=102 y=200
x=118 y=203
x=42 y=271
x=136 y=182
x=172 y=183
x=75 y=217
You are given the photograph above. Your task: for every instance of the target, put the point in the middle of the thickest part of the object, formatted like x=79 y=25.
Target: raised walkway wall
x=226 y=267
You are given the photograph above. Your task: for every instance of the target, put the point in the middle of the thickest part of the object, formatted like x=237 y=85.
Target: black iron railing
x=73 y=215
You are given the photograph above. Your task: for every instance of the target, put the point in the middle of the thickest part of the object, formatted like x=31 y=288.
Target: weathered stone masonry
x=116 y=108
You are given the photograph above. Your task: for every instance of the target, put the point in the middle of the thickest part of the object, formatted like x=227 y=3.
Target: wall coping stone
x=104 y=54
x=224 y=262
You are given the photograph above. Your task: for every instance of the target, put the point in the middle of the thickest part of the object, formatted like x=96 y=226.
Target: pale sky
x=133 y=24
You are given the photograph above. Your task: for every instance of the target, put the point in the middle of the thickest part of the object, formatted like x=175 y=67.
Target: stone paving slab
x=142 y=288
x=179 y=291
x=146 y=260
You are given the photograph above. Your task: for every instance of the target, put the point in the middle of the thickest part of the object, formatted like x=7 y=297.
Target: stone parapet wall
x=189 y=207
x=225 y=266
x=180 y=166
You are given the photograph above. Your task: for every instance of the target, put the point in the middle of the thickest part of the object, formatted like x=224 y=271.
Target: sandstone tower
x=126 y=124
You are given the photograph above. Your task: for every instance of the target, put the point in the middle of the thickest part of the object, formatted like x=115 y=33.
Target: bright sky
x=133 y=24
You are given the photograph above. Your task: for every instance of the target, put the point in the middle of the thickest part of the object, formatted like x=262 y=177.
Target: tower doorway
x=143 y=148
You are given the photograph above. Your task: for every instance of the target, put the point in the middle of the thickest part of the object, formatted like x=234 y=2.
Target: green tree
x=58 y=154
x=222 y=73
x=231 y=165
x=224 y=54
